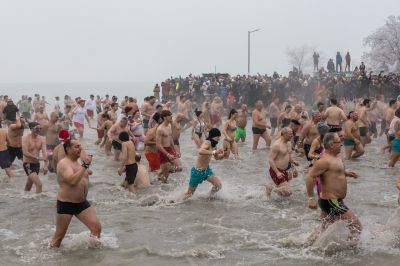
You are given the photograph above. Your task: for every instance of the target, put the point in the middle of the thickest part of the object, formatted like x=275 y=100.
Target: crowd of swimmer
x=289 y=129
x=245 y=89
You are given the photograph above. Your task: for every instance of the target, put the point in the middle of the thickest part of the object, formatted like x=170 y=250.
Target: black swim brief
x=15 y=152
x=274 y=122
x=334 y=128
x=5 y=161
x=71 y=208
x=363 y=131
x=31 y=168
x=131 y=172
x=334 y=207
x=307 y=148
x=116 y=145
x=257 y=130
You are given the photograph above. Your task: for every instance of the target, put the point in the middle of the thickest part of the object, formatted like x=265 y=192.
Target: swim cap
x=398 y=98
x=322 y=128
x=63 y=135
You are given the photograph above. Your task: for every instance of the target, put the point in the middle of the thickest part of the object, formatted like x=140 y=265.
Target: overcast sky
x=128 y=40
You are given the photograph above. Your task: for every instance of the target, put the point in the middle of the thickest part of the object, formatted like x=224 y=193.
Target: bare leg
x=216 y=185
x=359 y=151
x=116 y=154
x=62 y=223
x=28 y=184
x=226 y=145
x=256 y=138
x=8 y=172
x=36 y=180
x=163 y=176
x=348 y=150
x=353 y=224
x=267 y=138
x=88 y=217
x=394 y=158
x=189 y=193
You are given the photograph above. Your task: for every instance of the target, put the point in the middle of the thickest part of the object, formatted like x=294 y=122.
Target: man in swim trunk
x=241 y=123
x=259 y=127
x=72 y=195
x=280 y=161
x=331 y=170
x=147 y=111
x=165 y=146
x=334 y=116
x=5 y=161
x=14 y=138
x=32 y=145
x=128 y=162
x=352 y=141
x=113 y=135
x=202 y=170
x=151 y=152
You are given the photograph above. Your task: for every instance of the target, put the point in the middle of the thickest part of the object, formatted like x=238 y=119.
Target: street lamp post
x=248 y=49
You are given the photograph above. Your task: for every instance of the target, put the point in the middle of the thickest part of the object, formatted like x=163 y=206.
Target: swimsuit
x=334 y=128
x=31 y=168
x=274 y=122
x=285 y=122
x=199 y=128
x=258 y=131
x=285 y=178
x=334 y=207
x=176 y=142
x=307 y=148
x=363 y=131
x=71 y=208
x=5 y=161
x=131 y=172
x=116 y=145
x=197 y=176
x=145 y=123
x=153 y=159
x=163 y=158
x=15 y=152
x=240 y=133
x=349 y=142
x=396 y=145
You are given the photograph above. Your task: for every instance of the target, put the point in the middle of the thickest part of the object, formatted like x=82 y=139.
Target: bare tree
x=384 y=46
x=300 y=57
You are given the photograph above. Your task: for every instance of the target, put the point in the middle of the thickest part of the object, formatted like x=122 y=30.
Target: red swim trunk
x=90 y=113
x=78 y=125
x=153 y=159
x=276 y=179
x=163 y=158
x=100 y=133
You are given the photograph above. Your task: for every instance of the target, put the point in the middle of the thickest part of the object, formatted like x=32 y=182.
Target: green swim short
x=197 y=176
x=240 y=133
x=349 y=142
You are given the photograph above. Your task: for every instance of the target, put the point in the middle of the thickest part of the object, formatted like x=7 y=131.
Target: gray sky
x=121 y=40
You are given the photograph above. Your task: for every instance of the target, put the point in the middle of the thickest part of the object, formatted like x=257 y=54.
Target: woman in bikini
x=198 y=128
x=136 y=130
x=229 y=132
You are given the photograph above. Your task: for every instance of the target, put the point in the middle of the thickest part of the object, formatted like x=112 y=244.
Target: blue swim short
x=197 y=176
x=396 y=145
x=145 y=123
